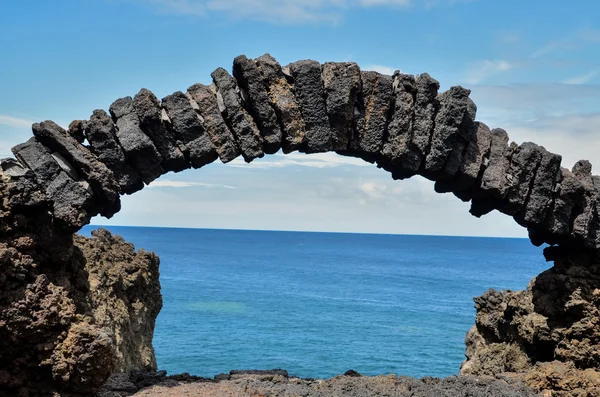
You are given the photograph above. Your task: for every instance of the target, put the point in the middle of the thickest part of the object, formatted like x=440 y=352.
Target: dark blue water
x=318 y=304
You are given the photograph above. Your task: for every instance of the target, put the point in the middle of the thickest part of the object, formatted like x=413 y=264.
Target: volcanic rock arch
x=56 y=289
x=400 y=123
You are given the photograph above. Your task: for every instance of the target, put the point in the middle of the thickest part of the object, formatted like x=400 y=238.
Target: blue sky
x=533 y=67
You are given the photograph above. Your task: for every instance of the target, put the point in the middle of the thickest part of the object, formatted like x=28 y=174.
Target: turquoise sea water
x=318 y=304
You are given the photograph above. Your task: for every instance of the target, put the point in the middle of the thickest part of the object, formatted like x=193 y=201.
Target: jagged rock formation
x=399 y=122
x=548 y=335
x=60 y=294
x=72 y=309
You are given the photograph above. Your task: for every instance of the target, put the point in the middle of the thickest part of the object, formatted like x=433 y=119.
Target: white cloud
x=582 y=79
x=381 y=69
x=15 y=121
x=316 y=160
x=283 y=11
x=572 y=42
x=182 y=184
x=482 y=70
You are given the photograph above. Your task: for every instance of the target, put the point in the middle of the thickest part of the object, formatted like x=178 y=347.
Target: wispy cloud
x=482 y=70
x=572 y=42
x=381 y=69
x=284 y=11
x=15 y=121
x=317 y=160
x=183 y=184
x=584 y=78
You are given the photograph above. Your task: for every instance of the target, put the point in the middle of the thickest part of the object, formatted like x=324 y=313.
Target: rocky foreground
x=278 y=383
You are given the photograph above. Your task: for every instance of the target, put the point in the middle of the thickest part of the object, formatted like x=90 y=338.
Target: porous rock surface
x=279 y=383
x=73 y=310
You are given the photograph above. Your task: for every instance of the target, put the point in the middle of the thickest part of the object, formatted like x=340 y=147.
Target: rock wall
x=72 y=309
x=547 y=335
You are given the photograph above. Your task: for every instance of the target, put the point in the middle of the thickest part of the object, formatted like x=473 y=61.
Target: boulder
x=256 y=99
x=308 y=89
x=238 y=119
x=139 y=150
x=149 y=111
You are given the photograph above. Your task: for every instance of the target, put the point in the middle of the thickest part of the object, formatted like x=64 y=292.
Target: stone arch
x=400 y=123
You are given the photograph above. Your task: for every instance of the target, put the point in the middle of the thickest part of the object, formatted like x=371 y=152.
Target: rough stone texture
x=283 y=101
x=101 y=134
x=494 y=180
x=37 y=158
x=375 y=103
x=238 y=120
x=544 y=185
x=398 y=148
x=95 y=172
x=149 y=112
x=215 y=126
x=447 y=134
x=308 y=89
x=187 y=125
x=426 y=106
x=556 y=318
x=77 y=130
x=341 y=86
x=255 y=97
x=351 y=384
x=68 y=320
x=524 y=163
x=568 y=200
x=473 y=161
x=139 y=150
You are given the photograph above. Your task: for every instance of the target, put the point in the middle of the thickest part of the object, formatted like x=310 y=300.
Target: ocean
x=318 y=304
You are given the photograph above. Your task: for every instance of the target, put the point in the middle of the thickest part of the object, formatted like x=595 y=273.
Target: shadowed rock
x=189 y=130
x=215 y=126
x=72 y=202
x=102 y=137
x=139 y=150
x=77 y=130
x=397 y=150
x=494 y=177
x=239 y=121
x=523 y=165
x=474 y=158
x=283 y=101
x=95 y=172
x=373 y=110
x=546 y=178
x=425 y=111
x=308 y=89
x=255 y=97
x=567 y=199
x=453 y=107
x=37 y=157
x=148 y=109
x=341 y=86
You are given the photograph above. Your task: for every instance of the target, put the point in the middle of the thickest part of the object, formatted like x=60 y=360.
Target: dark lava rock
x=341 y=85
x=250 y=81
x=95 y=172
x=189 y=130
x=426 y=105
x=238 y=119
x=102 y=137
x=139 y=150
x=152 y=123
x=282 y=99
x=308 y=89
x=374 y=107
x=214 y=124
